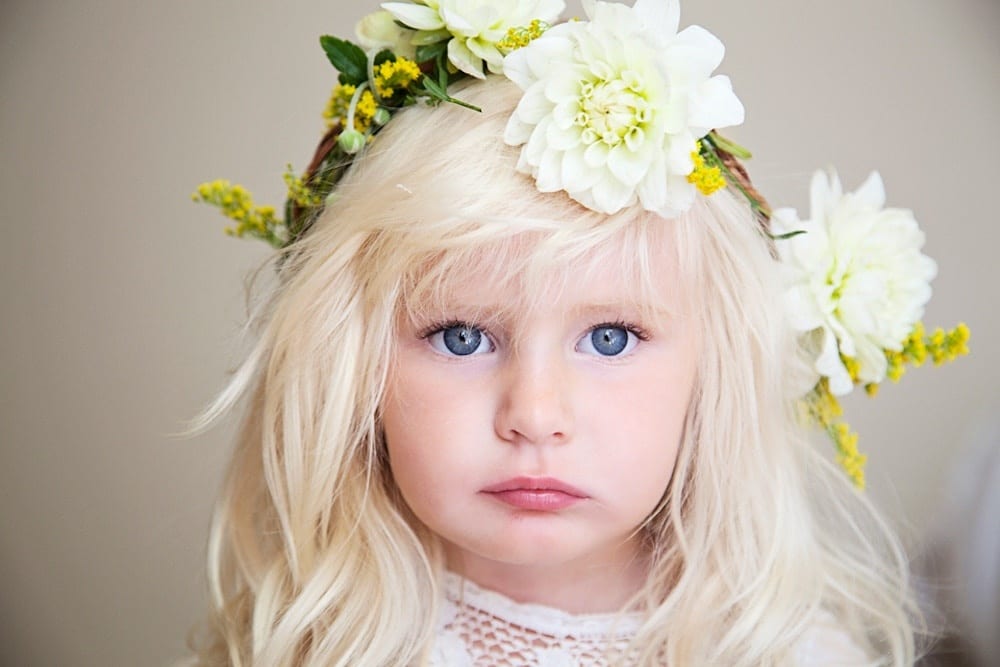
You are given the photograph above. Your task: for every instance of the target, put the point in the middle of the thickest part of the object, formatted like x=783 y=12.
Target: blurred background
x=123 y=301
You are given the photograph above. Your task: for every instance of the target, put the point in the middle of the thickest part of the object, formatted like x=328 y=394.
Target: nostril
x=535 y=405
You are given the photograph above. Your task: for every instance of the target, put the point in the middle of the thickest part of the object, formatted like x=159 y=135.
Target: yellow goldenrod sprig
x=391 y=78
x=823 y=409
x=707 y=178
x=298 y=192
x=236 y=203
x=370 y=87
x=394 y=76
x=848 y=456
x=521 y=36
x=722 y=154
x=940 y=346
x=338 y=108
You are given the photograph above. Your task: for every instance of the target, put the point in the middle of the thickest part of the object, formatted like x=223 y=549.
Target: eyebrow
x=602 y=307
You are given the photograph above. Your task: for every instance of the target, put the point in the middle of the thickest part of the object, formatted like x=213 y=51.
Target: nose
x=535 y=406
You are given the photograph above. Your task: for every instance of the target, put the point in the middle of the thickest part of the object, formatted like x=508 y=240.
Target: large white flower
x=473 y=27
x=613 y=107
x=857 y=281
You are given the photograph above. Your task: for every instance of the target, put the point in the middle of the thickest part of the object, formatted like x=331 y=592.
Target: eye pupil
x=462 y=341
x=609 y=341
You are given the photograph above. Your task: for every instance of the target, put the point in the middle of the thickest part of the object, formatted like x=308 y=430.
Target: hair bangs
x=536 y=265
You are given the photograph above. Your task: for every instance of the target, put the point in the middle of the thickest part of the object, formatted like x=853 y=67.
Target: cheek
x=408 y=434
x=428 y=430
x=647 y=462
x=408 y=461
x=653 y=468
x=648 y=425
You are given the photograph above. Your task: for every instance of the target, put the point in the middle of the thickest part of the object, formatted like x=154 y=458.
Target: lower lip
x=541 y=500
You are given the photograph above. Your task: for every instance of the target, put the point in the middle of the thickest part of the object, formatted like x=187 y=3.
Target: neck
x=593 y=586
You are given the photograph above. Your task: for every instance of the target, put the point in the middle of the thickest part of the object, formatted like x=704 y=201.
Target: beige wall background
x=121 y=301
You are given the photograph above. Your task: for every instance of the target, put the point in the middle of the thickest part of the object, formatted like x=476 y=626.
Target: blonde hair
x=314 y=558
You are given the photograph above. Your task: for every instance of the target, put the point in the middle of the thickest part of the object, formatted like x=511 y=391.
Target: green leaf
x=385 y=55
x=430 y=51
x=434 y=89
x=349 y=59
x=730 y=147
x=443 y=76
x=787 y=235
x=436 y=92
x=473 y=107
x=428 y=37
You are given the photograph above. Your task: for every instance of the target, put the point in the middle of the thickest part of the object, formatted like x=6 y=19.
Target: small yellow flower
x=521 y=36
x=941 y=346
x=340 y=101
x=823 y=405
x=395 y=75
x=707 y=179
x=822 y=408
x=936 y=346
x=896 y=367
x=852 y=366
x=953 y=344
x=960 y=336
x=236 y=203
x=298 y=191
x=366 y=106
x=848 y=456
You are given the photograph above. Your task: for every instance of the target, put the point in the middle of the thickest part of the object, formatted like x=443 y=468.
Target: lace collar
x=482 y=627
x=461 y=593
x=478 y=627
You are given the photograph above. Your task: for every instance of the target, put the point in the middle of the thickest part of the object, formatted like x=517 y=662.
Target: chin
x=532 y=549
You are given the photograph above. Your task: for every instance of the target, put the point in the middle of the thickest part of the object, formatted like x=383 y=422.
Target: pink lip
x=535 y=493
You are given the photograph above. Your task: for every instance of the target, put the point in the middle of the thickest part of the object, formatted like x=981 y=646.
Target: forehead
x=532 y=272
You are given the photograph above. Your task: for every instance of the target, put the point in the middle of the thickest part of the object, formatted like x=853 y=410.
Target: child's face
x=540 y=436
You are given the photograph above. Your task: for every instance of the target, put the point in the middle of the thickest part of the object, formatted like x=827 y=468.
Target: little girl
x=527 y=392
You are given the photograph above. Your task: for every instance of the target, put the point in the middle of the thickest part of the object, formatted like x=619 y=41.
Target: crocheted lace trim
x=482 y=627
x=478 y=627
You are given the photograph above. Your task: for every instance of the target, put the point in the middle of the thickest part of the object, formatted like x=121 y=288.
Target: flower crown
x=623 y=110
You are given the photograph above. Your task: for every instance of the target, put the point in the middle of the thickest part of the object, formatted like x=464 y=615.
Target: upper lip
x=535 y=484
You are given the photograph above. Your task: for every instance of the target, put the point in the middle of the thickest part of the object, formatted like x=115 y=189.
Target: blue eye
x=608 y=340
x=460 y=340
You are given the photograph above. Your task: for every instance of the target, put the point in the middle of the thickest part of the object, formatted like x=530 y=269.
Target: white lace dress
x=481 y=628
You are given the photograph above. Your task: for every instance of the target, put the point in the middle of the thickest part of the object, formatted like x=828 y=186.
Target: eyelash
x=639 y=332
x=441 y=325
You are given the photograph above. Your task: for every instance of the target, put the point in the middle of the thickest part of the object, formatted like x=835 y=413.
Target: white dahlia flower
x=857 y=281
x=613 y=107
x=473 y=27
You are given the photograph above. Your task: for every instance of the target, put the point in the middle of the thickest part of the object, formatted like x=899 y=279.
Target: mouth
x=540 y=494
